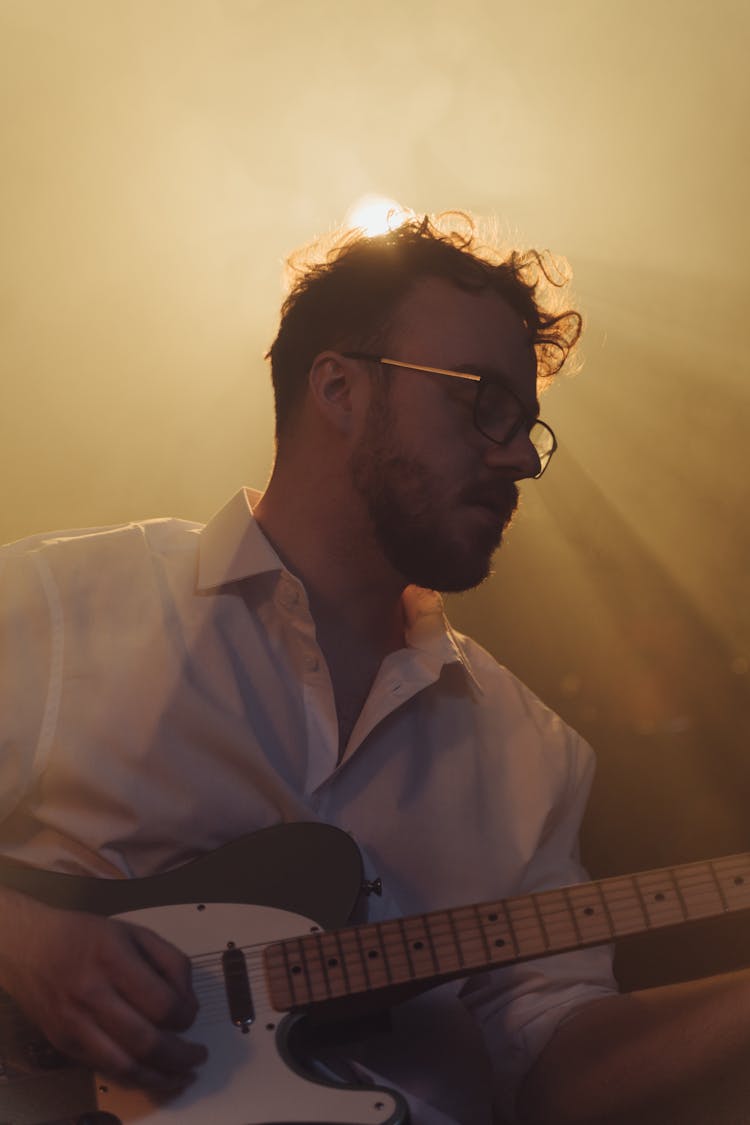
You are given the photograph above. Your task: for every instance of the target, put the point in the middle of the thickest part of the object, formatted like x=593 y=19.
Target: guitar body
x=257 y=966
x=298 y=878
x=250 y=1077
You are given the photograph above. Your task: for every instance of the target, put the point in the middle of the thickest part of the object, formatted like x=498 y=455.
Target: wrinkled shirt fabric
x=162 y=692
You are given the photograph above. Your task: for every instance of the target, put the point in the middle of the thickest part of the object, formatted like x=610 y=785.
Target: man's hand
x=108 y=994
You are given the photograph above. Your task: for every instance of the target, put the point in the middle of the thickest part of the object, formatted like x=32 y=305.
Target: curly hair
x=345 y=292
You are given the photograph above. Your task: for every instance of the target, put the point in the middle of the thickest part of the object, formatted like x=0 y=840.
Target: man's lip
x=497 y=504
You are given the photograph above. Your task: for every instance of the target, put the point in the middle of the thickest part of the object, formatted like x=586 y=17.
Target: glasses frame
x=483 y=380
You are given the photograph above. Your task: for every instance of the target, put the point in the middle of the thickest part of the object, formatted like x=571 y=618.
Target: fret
x=511 y=928
x=431 y=947
x=497 y=931
x=279 y=981
x=571 y=911
x=428 y=920
x=371 y=953
x=556 y=918
x=297 y=971
x=717 y=884
x=641 y=899
x=456 y=942
x=625 y=907
x=699 y=892
x=395 y=951
x=659 y=898
x=352 y=964
x=680 y=896
x=481 y=931
x=313 y=970
x=542 y=928
x=734 y=873
x=407 y=950
x=605 y=908
x=421 y=952
x=526 y=926
x=592 y=918
x=323 y=961
x=334 y=963
x=471 y=939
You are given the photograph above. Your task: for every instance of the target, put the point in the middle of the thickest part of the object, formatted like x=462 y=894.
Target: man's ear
x=333 y=387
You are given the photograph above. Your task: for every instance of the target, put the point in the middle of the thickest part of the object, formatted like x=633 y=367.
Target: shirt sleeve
x=30 y=666
x=520 y=1007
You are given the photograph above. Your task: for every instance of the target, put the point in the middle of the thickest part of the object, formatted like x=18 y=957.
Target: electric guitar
x=262 y=971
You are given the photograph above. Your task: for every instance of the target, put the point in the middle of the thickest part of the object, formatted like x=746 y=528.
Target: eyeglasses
x=498 y=413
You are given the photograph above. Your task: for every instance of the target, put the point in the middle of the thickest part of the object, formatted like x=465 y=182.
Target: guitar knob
x=373 y=886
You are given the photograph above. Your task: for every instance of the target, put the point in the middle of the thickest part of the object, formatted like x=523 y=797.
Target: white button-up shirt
x=162 y=691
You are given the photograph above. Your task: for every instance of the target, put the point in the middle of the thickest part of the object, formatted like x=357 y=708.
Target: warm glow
x=376 y=214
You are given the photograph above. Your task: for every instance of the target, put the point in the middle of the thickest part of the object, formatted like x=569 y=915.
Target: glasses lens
x=544 y=443
x=500 y=416
x=498 y=411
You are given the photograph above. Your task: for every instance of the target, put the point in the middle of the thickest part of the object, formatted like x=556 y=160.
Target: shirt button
x=311 y=662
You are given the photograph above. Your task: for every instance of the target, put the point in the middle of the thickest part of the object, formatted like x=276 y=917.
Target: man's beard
x=413 y=524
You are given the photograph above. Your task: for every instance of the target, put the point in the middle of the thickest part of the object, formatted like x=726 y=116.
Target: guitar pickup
x=237 y=986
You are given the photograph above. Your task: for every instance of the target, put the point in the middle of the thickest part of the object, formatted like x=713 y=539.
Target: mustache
x=500 y=496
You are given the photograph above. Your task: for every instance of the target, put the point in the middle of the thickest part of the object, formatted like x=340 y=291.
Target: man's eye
x=461 y=398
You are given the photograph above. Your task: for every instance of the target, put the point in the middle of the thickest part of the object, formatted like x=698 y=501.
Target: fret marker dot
x=738 y=880
x=417 y=945
x=492 y=917
x=372 y=954
x=333 y=962
x=500 y=942
x=588 y=910
x=660 y=896
x=296 y=969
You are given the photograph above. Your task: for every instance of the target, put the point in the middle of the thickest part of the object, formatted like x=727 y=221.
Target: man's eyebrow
x=480 y=369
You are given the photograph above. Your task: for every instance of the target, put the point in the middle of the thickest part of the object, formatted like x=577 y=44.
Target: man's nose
x=517 y=457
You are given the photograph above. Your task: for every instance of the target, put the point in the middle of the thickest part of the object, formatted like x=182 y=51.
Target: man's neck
x=354 y=594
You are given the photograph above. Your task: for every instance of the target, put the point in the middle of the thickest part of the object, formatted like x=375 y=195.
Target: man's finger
x=154 y=977
x=146 y=1053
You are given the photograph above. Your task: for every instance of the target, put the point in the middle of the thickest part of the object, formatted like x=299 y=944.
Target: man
x=166 y=688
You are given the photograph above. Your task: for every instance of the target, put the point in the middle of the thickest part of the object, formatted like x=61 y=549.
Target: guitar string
x=702 y=898
x=319 y=981
x=704 y=903
x=705 y=898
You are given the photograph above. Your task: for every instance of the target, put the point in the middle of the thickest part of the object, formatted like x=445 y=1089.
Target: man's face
x=439 y=494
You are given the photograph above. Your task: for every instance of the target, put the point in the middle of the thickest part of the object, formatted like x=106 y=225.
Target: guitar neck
x=426 y=949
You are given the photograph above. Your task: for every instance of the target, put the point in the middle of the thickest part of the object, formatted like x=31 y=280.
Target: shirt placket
x=402 y=675
x=316 y=687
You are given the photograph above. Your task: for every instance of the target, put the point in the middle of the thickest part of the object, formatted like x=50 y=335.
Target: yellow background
x=159 y=160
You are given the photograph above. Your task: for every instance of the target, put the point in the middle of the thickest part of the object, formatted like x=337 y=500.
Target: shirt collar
x=428 y=629
x=233 y=547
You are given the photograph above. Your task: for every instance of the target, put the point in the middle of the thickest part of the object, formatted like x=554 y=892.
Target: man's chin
x=452 y=574
x=468 y=568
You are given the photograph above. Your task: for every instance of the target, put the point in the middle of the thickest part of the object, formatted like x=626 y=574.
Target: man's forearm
x=656 y=1055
